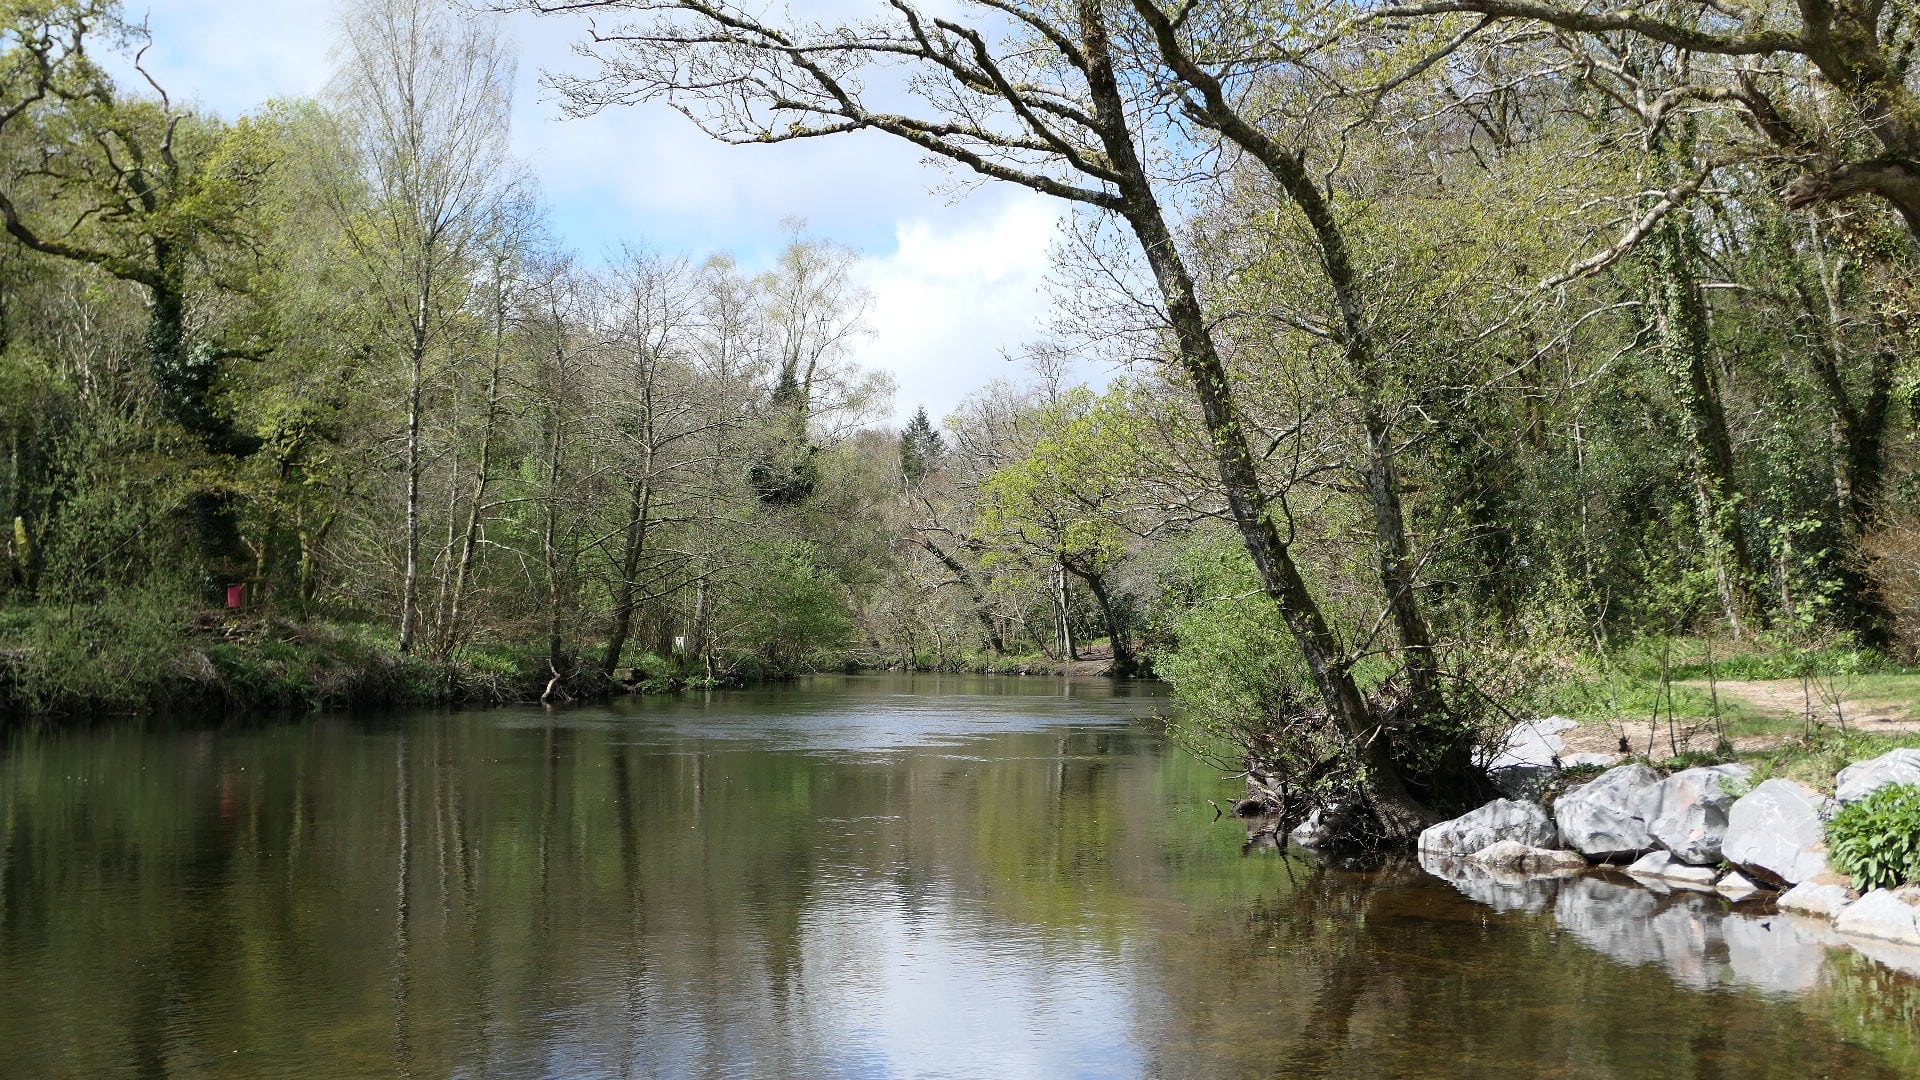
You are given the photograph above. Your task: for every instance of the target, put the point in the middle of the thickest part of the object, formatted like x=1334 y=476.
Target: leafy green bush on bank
x=1876 y=841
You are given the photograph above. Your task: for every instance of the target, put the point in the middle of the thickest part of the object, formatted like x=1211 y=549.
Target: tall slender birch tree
x=427 y=93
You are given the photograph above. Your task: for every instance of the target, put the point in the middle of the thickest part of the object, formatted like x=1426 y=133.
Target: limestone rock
x=1516 y=856
x=1884 y=914
x=1602 y=819
x=1861 y=779
x=1687 y=812
x=1820 y=899
x=1533 y=742
x=1502 y=819
x=1660 y=864
x=1735 y=886
x=1575 y=761
x=1530 y=757
x=1775 y=833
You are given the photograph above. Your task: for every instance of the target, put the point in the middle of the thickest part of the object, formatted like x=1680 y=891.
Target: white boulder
x=1602 y=819
x=1861 y=779
x=1530 y=756
x=1502 y=819
x=1776 y=833
x=1687 y=812
x=1885 y=915
x=1533 y=742
x=1661 y=865
x=1817 y=898
x=1735 y=886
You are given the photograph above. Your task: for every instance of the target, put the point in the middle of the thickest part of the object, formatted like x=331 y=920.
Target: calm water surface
x=858 y=877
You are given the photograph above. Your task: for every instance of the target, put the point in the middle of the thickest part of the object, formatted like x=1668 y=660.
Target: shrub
x=1876 y=841
x=1893 y=559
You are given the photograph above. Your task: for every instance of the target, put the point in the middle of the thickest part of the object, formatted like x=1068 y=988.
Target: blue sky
x=955 y=282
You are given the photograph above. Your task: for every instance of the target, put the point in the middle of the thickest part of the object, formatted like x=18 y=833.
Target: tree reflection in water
x=992 y=878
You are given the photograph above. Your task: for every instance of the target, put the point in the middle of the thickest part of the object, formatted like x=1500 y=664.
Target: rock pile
x=1699 y=829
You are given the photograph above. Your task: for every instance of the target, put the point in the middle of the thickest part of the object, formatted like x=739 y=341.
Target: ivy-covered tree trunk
x=186 y=378
x=1685 y=348
x=639 y=518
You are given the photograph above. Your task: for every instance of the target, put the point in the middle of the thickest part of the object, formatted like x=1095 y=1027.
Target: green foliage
x=119 y=652
x=1876 y=841
x=920 y=448
x=797 y=612
x=1238 y=678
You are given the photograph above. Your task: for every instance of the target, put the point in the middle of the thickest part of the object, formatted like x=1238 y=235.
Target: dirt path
x=1788 y=699
x=1783 y=699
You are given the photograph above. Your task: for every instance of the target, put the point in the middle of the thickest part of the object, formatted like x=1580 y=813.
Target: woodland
x=1447 y=347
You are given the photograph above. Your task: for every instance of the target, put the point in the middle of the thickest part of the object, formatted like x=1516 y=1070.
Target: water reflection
x=853 y=878
x=1700 y=939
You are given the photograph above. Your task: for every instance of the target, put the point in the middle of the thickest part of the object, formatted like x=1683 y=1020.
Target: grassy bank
x=75 y=666
x=1799 y=710
x=147 y=655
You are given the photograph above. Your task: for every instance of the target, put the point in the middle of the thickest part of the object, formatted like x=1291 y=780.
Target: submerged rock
x=1687 y=812
x=1861 y=779
x=1662 y=865
x=1516 y=856
x=1502 y=819
x=1776 y=833
x=1884 y=914
x=1603 y=819
x=1818 y=898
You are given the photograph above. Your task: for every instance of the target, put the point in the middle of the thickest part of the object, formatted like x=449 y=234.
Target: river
x=853 y=877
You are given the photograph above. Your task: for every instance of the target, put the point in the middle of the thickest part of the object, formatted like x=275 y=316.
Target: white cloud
x=231 y=55
x=951 y=300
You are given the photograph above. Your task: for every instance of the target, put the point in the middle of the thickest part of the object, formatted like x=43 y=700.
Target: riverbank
x=130 y=661
x=1835 y=851
x=1094 y=660
x=92 y=668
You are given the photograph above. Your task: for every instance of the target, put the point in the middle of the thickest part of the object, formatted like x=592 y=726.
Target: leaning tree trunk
x=1400 y=815
x=1288 y=168
x=1124 y=662
x=967 y=582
